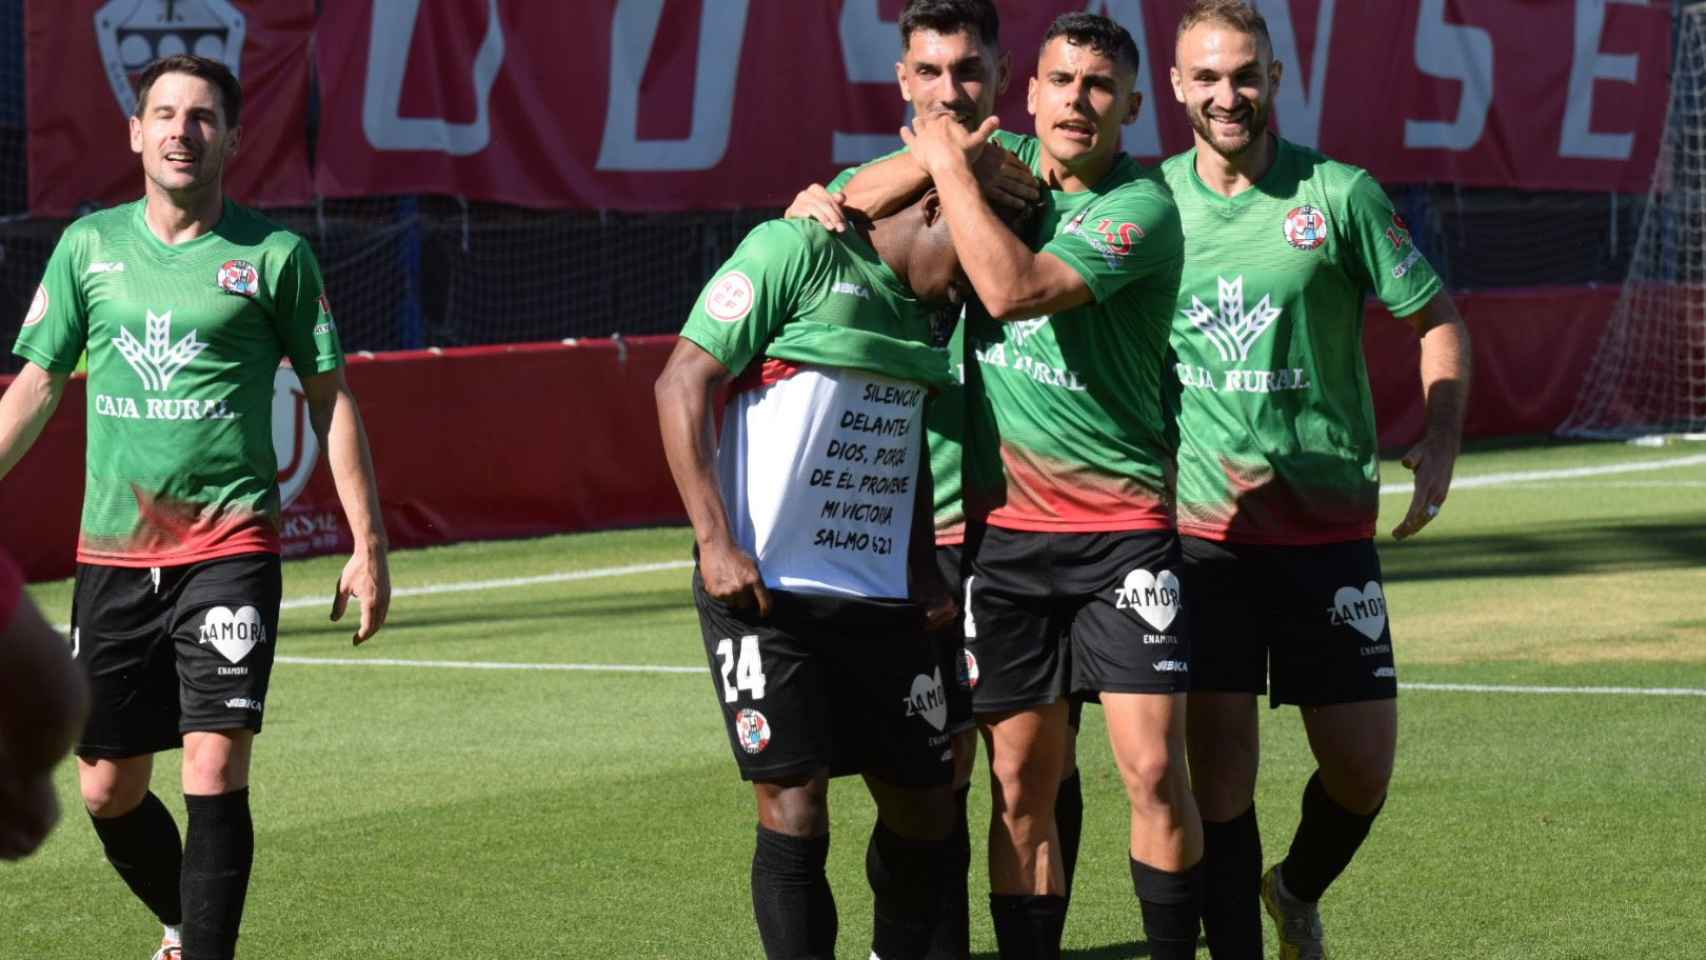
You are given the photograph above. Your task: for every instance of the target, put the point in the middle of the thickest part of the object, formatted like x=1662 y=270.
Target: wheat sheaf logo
x=1229 y=328
x=158 y=360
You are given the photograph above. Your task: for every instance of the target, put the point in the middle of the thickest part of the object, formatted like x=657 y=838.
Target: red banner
x=493 y=442
x=692 y=104
x=83 y=57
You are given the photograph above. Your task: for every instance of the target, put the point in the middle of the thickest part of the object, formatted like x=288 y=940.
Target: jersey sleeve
x=56 y=328
x=1384 y=251
x=1131 y=234
x=303 y=316
x=752 y=295
x=1014 y=143
x=840 y=181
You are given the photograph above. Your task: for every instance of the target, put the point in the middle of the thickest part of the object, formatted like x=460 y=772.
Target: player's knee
x=108 y=793
x=1022 y=788
x=924 y=815
x=796 y=810
x=1152 y=776
x=1359 y=786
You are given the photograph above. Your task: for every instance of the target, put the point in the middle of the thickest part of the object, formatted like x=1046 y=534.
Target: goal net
x=1648 y=377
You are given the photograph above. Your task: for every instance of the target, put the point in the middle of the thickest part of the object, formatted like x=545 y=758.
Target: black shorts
x=843 y=684
x=1053 y=614
x=951 y=641
x=171 y=650
x=1313 y=618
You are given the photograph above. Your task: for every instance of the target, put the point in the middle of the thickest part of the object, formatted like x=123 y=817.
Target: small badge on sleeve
x=239 y=277
x=38 y=307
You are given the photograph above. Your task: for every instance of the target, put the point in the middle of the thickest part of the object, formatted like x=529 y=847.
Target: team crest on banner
x=1305 y=228
x=239 y=277
x=293 y=439
x=133 y=33
x=752 y=730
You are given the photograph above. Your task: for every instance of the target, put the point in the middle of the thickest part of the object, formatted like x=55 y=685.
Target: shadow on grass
x=1676 y=541
x=1113 y=951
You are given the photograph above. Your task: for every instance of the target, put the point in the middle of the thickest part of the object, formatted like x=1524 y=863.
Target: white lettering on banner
x=868 y=50
x=1587 y=64
x=1141 y=137
x=1453 y=52
x=1300 y=105
x=722 y=29
x=388 y=61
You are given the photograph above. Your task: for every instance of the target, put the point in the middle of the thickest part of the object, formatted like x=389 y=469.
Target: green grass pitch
x=415 y=812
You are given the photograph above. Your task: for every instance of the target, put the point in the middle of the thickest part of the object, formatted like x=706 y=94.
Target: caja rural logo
x=133 y=33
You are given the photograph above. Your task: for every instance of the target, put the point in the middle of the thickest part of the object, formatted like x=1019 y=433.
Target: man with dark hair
x=1278 y=471
x=1074 y=590
x=816 y=587
x=42 y=705
x=186 y=302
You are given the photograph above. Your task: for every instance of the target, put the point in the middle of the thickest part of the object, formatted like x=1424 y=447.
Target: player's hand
x=940 y=607
x=1432 y=461
x=1005 y=179
x=28 y=811
x=367 y=577
x=939 y=143
x=731 y=576
x=817 y=203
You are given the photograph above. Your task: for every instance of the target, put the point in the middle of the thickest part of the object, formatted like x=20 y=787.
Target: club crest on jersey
x=38 y=307
x=132 y=34
x=752 y=731
x=1305 y=228
x=239 y=277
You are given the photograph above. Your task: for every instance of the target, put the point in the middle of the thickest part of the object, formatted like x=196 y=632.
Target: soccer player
x=43 y=701
x=1278 y=470
x=1074 y=589
x=952 y=63
x=186 y=302
x=815 y=581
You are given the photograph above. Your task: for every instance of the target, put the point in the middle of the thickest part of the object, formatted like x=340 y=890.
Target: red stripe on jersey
x=1261 y=508
x=171 y=533
x=763 y=375
x=1054 y=496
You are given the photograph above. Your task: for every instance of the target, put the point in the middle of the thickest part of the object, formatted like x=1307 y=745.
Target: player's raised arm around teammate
x=1445 y=395
x=43 y=701
x=1081 y=97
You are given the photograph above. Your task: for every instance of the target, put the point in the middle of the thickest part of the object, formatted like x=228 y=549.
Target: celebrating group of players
x=1134 y=400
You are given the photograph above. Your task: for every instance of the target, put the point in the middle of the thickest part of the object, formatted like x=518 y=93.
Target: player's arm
x=1012 y=282
x=686 y=394
x=889 y=183
x=43 y=702
x=1445 y=396
x=337 y=424
x=24 y=411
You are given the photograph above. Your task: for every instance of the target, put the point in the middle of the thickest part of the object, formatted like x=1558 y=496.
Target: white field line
x=653 y=668
x=1566 y=473
x=468 y=586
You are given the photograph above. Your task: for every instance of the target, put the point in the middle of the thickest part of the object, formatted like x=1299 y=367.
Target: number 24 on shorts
x=748 y=670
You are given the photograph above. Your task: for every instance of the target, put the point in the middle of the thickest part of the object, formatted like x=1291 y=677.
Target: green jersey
x=818 y=457
x=1078 y=396
x=183 y=343
x=964 y=462
x=1276 y=421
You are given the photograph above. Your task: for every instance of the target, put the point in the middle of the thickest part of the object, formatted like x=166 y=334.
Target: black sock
x=791 y=898
x=1171 y=904
x=1028 y=927
x=219 y=849
x=144 y=848
x=906 y=886
x=951 y=939
x=1327 y=838
x=1232 y=887
x=1069 y=822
